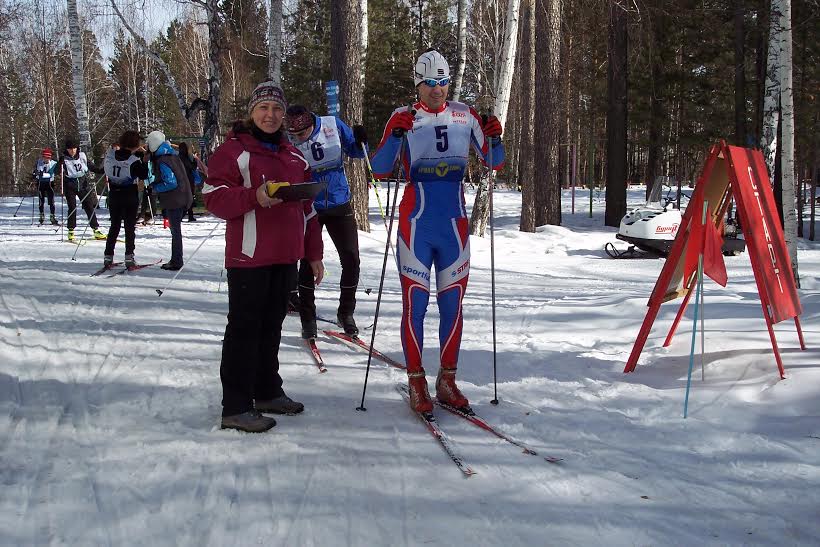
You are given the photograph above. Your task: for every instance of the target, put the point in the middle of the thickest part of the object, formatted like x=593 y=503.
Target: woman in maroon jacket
x=264 y=240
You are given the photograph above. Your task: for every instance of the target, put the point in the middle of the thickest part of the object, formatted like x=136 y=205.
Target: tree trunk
x=740 y=75
x=77 y=80
x=547 y=118
x=657 y=110
x=345 y=67
x=481 y=205
x=462 y=49
x=760 y=68
x=275 y=42
x=787 y=120
x=771 y=97
x=363 y=41
x=616 y=116
x=526 y=159
x=216 y=39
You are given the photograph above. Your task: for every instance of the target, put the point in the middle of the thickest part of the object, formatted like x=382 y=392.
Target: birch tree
x=77 y=81
x=458 y=83
x=275 y=43
x=503 y=85
x=787 y=132
x=779 y=103
x=363 y=41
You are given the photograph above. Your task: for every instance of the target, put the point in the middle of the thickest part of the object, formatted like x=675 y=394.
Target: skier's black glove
x=360 y=134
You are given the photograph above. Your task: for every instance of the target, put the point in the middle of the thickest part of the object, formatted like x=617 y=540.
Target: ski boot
x=99 y=235
x=348 y=324
x=54 y=221
x=448 y=393
x=249 y=422
x=419 y=394
x=280 y=405
x=130 y=262
x=309 y=329
x=108 y=261
x=71 y=235
x=42 y=219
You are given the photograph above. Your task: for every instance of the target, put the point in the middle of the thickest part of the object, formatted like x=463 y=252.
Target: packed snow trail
x=110 y=403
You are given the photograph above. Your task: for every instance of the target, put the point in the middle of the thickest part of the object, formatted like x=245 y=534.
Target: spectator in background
x=191 y=168
x=174 y=191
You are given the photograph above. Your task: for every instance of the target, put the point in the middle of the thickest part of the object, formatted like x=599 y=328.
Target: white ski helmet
x=154 y=140
x=431 y=64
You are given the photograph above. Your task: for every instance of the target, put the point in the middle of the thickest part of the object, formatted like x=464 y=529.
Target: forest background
x=602 y=93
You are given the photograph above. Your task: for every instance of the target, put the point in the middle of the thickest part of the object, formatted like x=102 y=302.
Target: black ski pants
x=257 y=306
x=46 y=191
x=341 y=226
x=74 y=187
x=123 y=203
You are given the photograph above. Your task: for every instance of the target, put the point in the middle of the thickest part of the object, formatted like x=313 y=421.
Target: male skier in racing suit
x=433 y=221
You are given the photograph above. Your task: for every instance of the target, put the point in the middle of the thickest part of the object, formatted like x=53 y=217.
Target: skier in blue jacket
x=324 y=141
x=44 y=177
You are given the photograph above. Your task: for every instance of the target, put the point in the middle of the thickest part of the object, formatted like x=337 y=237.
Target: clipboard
x=294 y=192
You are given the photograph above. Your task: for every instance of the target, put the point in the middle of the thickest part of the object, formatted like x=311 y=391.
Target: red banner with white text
x=762 y=231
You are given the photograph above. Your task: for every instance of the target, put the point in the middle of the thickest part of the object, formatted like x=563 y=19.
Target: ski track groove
x=74 y=402
x=106 y=518
x=402 y=484
x=303 y=503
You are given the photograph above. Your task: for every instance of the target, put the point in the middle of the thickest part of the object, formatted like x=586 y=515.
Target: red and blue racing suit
x=433 y=224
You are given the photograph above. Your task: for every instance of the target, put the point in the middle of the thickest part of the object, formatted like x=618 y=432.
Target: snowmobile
x=651 y=228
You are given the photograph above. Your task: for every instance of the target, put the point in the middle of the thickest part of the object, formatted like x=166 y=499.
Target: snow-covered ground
x=110 y=404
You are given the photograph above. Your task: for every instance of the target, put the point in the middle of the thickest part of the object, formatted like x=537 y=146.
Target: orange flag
x=710 y=243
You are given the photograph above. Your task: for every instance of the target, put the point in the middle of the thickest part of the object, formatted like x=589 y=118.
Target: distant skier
x=324 y=141
x=44 y=177
x=123 y=166
x=76 y=165
x=433 y=222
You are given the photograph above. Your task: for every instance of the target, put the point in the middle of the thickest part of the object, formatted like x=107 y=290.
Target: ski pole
x=94 y=214
x=492 y=269
x=33 y=199
x=372 y=182
x=375 y=186
x=160 y=291
x=698 y=293
x=361 y=407
x=19 y=205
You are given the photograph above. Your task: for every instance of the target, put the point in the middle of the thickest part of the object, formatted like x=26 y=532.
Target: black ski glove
x=360 y=134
